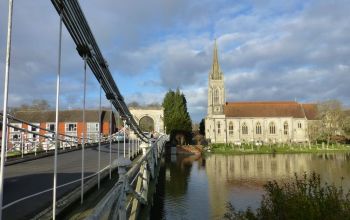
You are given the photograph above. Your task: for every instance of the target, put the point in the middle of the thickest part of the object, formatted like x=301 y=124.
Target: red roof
x=270 y=109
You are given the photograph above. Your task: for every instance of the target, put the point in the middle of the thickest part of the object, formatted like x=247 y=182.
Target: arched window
x=272 y=128
x=230 y=128
x=285 y=128
x=258 y=128
x=219 y=126
x=299 y=124
x=244 y=128
x=216 y=96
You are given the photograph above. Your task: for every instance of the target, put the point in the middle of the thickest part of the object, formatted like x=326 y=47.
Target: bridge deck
x=31 y=177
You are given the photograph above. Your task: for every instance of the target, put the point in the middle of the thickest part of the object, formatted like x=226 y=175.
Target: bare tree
x=37 y=104
x=314 y=130
x=332 y=117
x=134 y=104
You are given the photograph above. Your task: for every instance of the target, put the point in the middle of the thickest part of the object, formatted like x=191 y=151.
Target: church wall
x=294 y=133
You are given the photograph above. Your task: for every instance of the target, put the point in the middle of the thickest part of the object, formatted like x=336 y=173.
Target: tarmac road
x=34 y=176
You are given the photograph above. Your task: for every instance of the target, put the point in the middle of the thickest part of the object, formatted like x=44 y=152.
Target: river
x=195 y=187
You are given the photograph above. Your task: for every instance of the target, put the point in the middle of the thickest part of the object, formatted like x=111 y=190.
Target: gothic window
x=216 y=96
x=299 y=124
x=285 y=128
x=272 y=128
x=244 y=128
x=219 y=130
x=230 y=128
x=258 y=128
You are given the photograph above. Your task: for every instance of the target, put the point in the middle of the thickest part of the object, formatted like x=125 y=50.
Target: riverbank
x=275 y=149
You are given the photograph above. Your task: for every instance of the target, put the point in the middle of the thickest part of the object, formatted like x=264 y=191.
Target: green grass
x=275 y=149
x=13 y=153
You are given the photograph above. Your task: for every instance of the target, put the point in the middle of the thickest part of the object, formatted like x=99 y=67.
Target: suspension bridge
x=44 y=172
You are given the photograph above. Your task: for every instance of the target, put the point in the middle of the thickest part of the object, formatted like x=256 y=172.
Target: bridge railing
x=131 y=190
x=22 y=141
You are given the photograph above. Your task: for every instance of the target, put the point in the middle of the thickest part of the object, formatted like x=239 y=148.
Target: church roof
x=270 y=109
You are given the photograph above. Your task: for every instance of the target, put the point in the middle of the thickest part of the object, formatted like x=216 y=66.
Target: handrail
x=116 y=203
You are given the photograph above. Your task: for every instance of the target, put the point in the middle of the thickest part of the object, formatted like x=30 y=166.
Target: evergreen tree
x=176 y=117
x=202 y=127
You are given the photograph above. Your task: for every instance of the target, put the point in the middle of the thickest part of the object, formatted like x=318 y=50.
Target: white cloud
x=268 y=51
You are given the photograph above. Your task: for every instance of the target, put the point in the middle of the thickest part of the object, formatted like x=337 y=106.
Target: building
x=237 y=122
x=70 y=123
x=152 y=116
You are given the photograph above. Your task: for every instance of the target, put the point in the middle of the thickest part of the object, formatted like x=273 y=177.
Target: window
x=71 y=127
x=244 y=128
x=230 y=128
x=272 y=128
x=258 y=128
x=299 y=124
x=50 y=126
x=19 y=125
x=36 y=129
x=285 y=128
x=92 y=127
x=219 y=128
x=216 y=96
x=15 y=133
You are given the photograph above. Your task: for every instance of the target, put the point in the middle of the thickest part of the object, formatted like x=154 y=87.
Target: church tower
x=216 y=87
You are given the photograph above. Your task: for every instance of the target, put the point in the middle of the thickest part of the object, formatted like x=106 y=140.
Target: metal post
x=129 y=150
x=124 y=136
x=110 y=143
x=56 y=120
x=132 y=147
x=99 y=140
x=4 y=117
x=83 y=138
x=118 y=132
x=22 y=143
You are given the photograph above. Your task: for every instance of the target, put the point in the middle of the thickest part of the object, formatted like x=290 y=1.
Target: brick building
x=70 y=123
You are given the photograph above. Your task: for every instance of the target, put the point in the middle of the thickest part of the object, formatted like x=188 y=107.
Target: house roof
x=270 y=109
x=64 y=116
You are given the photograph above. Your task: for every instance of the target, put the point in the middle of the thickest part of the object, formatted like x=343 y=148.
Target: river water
x=195 y=187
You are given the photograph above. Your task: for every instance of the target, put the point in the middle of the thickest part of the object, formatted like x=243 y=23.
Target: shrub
x=302 y=198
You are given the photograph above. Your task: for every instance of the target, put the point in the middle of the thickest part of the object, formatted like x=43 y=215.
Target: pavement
x=30 y=177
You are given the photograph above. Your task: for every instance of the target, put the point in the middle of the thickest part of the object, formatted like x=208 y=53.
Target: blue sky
x=268 y=50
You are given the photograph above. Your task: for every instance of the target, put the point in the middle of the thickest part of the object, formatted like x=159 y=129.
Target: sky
x=269 y=50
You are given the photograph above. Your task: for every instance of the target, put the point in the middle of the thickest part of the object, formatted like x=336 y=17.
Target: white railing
x=124 y=199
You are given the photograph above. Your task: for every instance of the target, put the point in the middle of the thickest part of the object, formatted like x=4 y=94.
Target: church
x=253 y=122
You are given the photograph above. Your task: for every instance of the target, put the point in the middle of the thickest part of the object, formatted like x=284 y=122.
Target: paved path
x=31 y=177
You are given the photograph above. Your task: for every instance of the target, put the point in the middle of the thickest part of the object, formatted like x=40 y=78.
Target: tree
x=347 y=123
x=176 y=117
x=332 y=117
x=134 y=104
x=202 y=127
x=37 y=104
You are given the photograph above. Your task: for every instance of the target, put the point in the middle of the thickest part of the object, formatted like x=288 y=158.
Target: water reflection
x=196 y=187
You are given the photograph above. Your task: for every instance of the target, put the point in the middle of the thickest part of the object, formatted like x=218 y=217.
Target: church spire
x=215 y=70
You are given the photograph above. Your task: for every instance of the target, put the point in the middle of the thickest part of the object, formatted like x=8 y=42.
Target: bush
x=304 y=198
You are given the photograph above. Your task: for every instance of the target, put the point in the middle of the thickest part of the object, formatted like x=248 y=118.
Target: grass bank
x=275 y=149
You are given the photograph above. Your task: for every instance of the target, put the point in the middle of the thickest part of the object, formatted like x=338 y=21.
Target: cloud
x=268 y=51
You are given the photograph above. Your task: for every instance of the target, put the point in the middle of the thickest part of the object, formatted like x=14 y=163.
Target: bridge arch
x=157 y=115
x=146 y=123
